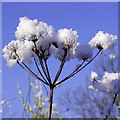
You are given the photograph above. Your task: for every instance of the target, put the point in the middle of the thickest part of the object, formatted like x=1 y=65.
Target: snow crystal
x=25 y=50
x=10 y=53
x=104 y=41
x=44 y=35
x=17 y=51
x=44 y=30
x=108 y=83
x=67 y=37
x=94 y=75
x=26 y=29
x=31 y=30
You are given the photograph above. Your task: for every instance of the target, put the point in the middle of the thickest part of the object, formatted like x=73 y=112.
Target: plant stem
x=71 y=75
x=34 y=75
x=50 y=103
x=61 y=66
x=39 y=70
x=47 y=70
x=36 y=51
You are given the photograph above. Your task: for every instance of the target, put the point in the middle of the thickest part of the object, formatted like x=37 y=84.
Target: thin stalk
x=78 y=67
x=36 y=51
x=43 y=68
x=71 y=75
x=35 y=76
x=39 y=70
x=42 y=65
x=50 y=103
x=29 y=68
x=45 y=61
x=61 y=66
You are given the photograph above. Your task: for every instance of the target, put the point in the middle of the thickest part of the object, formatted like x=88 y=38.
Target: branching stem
x=45 y=61
x=78 y=67
x=39 y=70
x=71 y=75
x=61 y=66
x=36 y=51
x=34 y=75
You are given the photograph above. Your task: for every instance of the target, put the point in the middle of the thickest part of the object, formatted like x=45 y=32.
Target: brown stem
x=42 y=65
x=39 y=70
x=34 y=75
x=43 y=68
x=45 y=61
x=50 y=103
x=78 y=67
x=61 y=66
x=36 y=51
x=71 y=75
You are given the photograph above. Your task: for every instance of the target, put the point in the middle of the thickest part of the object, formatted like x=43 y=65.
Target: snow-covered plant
x=109 y=83
x=37 y=41
x=87 y=103
x=104 y=41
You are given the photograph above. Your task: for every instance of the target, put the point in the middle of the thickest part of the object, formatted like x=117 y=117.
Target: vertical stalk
x=50 y=103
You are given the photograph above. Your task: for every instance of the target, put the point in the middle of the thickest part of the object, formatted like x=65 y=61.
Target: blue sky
x=87 y=18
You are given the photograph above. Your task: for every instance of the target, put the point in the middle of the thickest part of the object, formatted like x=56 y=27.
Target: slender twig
x=39 y=70
x=45 y=61
x=61 y=66
x=78 y=67
x=29 y=68
x=36 y=51
x=43 y=68
x=35 y=76
x=112 y=106
x=71 y=75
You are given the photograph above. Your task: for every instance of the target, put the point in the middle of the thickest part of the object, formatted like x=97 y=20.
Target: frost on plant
x=108 y=83
x=67 y=37
x=104 y=41
x=37 y=41
x=26 y=29
x=38 y=37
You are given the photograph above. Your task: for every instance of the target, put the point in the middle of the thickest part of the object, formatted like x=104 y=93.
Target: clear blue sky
x=86 y=18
